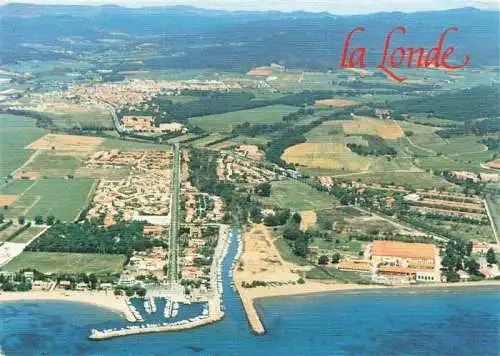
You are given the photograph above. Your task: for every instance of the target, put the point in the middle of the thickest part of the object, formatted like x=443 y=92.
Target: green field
x=56 y=262
x=335 y=274
x=63 y=198
x=298 y=196
x=27 y=234
x=414 y=180
x=493 y=201
x=129 y=145
x=51 y=165
x=16 y=132
x=94 y=117
x=225 y=122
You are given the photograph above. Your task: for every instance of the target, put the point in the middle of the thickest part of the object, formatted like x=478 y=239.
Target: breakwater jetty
x=248 y=303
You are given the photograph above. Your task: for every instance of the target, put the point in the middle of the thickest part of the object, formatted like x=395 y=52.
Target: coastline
x=97 y=298
x=322 y=287
x=249 y=296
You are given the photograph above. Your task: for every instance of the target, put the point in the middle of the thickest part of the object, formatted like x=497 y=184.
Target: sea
x=458 y=321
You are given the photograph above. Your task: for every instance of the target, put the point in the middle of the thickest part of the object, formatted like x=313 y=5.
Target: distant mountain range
x=189 y=37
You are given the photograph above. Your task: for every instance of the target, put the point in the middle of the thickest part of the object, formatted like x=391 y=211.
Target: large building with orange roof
x=404 y=254
x=415 y=261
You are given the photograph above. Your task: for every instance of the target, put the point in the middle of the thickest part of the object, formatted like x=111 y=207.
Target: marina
x=211 y=312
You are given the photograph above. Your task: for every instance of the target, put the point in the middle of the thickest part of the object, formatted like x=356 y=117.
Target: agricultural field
x=90 y=117
x=57 y=262
x=493 y=201
x=334 y=103
x=411 y=180
x=458 y=146
x=386 y=129
x=331 y=156
x=49 y=164
x=332 y=131
x=66 y=143
x=298 y=196
x=225 y=122
x=63 y=198
x=8 y=231
x=182 y=99
x=130 y=145
x=28 y=234
x=16 y=132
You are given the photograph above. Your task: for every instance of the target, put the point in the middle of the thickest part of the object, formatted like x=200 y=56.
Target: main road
x=173 y=251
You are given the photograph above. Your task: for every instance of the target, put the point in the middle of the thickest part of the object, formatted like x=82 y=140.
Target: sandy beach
x=101 y=299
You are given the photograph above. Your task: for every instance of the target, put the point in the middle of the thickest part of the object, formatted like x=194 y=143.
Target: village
x=145 y=192
x=242 y=166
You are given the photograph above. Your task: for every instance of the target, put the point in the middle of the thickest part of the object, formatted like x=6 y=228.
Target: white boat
x=152 y=304
x=147 y=306
x=167 y=312
x=175 y=311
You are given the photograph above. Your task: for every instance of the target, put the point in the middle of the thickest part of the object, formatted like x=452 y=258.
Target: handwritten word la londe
x=402 y=57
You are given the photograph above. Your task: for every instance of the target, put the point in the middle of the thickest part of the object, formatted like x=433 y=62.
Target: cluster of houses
x=47 y=285
x=146 y=191
x=422 y=201
x=146 y=124
x=133 y=92
x=144 y=263
x=237 y=168
x=202 y=207
x=478 y=177
x=199 y=237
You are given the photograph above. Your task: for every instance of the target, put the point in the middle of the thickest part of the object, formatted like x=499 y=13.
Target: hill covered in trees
x=189 y=38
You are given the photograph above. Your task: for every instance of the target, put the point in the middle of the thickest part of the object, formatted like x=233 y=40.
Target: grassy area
x=54 y=165
x=298 y=196
x=335 y=274
x=16 y=132
x=56 y=262
x=7 y=232
x=129 y=145
x=333 y=156
x=94 y=117
x=225 y=122
x=287 y=253
x=415 y=180
x=62 y=198
x=458 y=145
x=27 y=234
x=182 y=99
x=16 y=187
x=493 y=201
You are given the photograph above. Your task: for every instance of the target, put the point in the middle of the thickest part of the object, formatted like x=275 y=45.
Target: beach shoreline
x=101 y=299
x=261 y=261
x=276 y=292
x=250 y=296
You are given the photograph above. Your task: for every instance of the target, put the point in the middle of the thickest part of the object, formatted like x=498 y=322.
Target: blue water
x=424 y=322
x=185 y=312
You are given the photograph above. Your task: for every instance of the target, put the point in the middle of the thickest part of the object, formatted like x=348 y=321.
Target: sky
x=332 y=6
